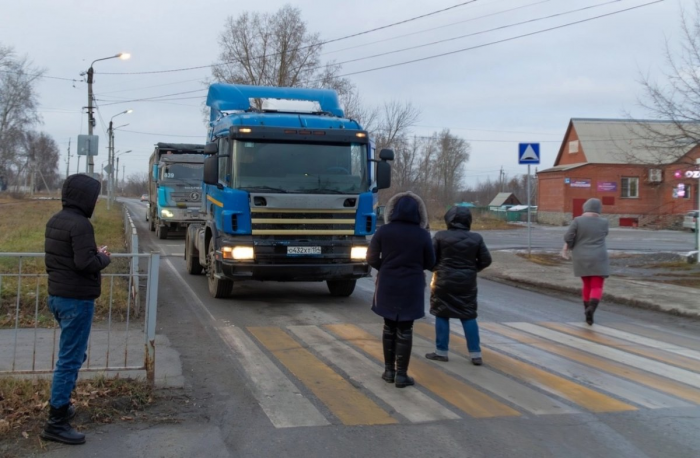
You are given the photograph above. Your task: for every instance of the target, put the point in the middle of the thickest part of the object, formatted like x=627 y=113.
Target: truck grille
x=186 y=196
x=270 y=222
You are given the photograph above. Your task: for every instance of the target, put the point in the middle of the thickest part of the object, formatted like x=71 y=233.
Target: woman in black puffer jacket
x=459 y=255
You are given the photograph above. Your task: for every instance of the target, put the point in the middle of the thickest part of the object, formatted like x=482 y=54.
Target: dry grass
x=672 y=265
x=543 y=259
x=24 y=407
x=22 y=228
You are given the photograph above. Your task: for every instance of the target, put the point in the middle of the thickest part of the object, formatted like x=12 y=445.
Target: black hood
x=406 y=210
x=80 y=192
x=458 y=218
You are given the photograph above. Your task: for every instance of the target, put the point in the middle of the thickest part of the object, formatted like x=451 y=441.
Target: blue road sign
x=529 y=153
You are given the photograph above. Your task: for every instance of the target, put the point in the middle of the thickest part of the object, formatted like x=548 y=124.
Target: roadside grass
x=543 y=259
x=673 y=265
x=479 y=223
x=24 y=408
x=22 y=228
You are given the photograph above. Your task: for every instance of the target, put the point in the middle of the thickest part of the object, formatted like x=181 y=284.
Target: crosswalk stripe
x=276 y=394
x=500 y=385
x=645 y=341
x=665 y=385
x=651 y=353
x=578 y=394
x=655 y=367
x=658 y=334
x=452 y=390
x=412 y=404
x=599 y=380
x=342 y=399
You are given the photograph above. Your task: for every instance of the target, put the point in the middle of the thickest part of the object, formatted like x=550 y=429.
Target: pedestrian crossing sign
x=529 y=153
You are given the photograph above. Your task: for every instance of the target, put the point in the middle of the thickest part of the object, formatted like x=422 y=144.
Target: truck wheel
x=151 y=224
x=219 y=288
x=341 y=288
x=161 y=232
x=191 y=261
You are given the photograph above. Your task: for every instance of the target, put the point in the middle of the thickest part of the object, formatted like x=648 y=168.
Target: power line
x=39 y=75
x=435 y=56
x=405 y=21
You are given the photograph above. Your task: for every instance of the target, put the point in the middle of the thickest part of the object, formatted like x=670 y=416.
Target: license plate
x=303 y=250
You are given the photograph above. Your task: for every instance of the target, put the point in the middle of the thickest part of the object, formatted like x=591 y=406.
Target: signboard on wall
x=580 y=183
x=607 y=186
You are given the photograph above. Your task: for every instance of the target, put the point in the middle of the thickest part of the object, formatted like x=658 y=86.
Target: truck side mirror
x=211 y=148
x=211 y=170
x=384 y=174
x=155 y=172
x=386 y=154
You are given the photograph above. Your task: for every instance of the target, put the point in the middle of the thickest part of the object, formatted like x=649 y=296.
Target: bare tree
x=395 y=120
x=275 y=50
x=453 y=153
x=41 y=155
x=677 y=100
x=18 y=107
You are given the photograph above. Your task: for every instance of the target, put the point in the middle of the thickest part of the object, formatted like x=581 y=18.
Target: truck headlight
x=358 y=252
x=166 y=213
x=239 y=253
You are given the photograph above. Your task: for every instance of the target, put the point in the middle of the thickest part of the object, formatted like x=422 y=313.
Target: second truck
x=289 y=191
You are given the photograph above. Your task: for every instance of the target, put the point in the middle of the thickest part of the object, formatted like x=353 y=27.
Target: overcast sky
x=523 y=90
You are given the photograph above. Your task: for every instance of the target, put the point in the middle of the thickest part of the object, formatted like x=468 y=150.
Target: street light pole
x=117 y=181
x=110 y=173
x=91 y=119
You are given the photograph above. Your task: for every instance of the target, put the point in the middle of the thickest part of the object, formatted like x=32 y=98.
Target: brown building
x=638 y=177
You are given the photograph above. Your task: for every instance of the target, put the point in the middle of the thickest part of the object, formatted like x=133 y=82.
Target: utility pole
x=68 y=160
x=91 y=120
x=110 y=165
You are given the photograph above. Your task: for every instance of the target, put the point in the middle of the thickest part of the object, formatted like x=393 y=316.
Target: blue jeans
x=442 y=336
x=74 y=316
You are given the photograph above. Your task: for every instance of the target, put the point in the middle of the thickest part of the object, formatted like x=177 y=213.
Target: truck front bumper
x=294 y=272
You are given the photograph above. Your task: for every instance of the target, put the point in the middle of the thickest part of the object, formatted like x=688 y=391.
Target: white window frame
x=622 y=188
x=573 y=146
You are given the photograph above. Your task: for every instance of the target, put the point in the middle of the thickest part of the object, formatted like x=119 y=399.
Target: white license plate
x=303 y=250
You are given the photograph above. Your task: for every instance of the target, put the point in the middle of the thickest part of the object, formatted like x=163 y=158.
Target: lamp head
x=124 y=55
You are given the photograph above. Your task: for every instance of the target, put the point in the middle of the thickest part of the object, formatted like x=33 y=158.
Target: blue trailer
x=290 y=190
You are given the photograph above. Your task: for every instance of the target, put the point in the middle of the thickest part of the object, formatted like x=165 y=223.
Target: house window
x=573 y=147
x=630 y=187
x=682 y=191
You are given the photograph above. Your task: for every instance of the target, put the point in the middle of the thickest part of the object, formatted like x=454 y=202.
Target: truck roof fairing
x=229 y=97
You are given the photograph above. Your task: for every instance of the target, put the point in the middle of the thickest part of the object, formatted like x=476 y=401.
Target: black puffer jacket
x=72 y=260
x=460 y=254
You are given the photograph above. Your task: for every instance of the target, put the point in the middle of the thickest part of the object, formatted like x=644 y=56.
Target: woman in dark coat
x=400 y=250
x=459 y=254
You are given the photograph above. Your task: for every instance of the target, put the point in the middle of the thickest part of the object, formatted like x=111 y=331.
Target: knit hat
x=593 y=206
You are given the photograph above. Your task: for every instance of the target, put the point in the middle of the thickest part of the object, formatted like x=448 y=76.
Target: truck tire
x=191 y=261
x=219 y=288
x=152 y=223
x=161 y=232
x=341 y=288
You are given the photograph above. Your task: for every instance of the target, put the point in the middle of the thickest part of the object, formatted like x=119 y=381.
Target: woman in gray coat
x=586 y=240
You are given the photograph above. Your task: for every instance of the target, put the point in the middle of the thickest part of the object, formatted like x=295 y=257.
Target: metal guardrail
x=21 y=344
x=132 y=244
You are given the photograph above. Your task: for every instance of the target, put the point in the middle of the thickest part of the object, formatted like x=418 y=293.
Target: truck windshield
x=182 y=173
x=300 y=167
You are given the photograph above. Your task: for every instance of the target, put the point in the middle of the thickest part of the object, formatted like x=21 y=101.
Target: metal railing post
x=151 y=308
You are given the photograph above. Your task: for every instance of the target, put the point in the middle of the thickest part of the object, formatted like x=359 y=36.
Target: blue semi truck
x=175 y=187
x=290 y=190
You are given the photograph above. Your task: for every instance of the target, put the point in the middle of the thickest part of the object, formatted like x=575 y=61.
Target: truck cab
x=289 y=195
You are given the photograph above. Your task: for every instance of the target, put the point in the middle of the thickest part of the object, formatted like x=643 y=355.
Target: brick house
x=640 y=179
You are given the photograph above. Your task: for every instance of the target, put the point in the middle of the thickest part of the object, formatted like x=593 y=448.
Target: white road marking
x=655 y=367
x=642 y=340
x=412 y=404
x=277 y=395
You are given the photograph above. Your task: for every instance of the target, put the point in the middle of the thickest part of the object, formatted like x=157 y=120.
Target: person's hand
x=103 y=250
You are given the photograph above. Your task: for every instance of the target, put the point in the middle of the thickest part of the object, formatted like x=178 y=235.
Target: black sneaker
x=435 y=357
x=477 y=361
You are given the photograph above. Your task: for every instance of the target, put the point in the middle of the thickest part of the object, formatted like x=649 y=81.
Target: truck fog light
x=166 y=213
x=239 y=253
x=358 y=252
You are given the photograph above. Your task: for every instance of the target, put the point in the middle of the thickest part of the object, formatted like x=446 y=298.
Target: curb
x=624 y=300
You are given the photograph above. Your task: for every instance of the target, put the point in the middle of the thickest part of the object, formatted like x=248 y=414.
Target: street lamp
x=110 y=185
x=91 y=119
x=117 y=156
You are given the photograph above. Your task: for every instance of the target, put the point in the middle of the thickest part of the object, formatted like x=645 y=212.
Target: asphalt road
x=283 y=369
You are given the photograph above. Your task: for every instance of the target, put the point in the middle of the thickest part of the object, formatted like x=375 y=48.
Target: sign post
x=529 y=153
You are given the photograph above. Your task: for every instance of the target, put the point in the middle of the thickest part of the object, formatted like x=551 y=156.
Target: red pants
x=592 y=288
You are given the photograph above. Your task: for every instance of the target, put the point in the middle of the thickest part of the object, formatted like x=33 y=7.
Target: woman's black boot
x=59 y=429
x=590 y=310
x=389 y=344
x=404 y=343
